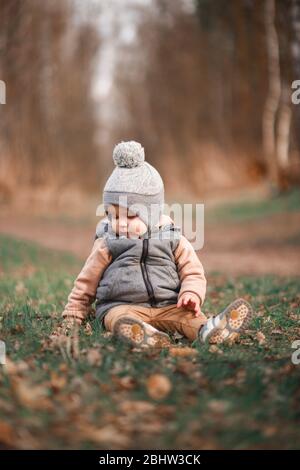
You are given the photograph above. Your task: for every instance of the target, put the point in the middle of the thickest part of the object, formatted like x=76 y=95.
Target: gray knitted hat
x=135 y=184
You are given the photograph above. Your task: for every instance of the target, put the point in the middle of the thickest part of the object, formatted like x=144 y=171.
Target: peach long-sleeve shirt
x=83 y=294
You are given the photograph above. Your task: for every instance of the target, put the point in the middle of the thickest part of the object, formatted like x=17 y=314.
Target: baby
x=143 y=273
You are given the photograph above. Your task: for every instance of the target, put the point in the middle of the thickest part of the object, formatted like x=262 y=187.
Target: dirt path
x=270 y=245
x=255 y=247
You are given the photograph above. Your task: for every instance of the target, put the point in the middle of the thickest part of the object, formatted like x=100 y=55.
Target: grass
x=243 y=396
x=249 y=210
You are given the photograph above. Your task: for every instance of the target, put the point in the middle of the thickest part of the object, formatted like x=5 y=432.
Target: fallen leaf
x=214 y=349
x=14 y=368
x=183 y=352
x=5 y=406
x=186 y=367
x=218 y=406
x=20 y=288
x=57 y=382
x=106 y=334
x=88 y=329
x=94 y=357
x=260 y=337
x=269 y=431
x=158 y=386
x=30 y=396
x=126 y=383
x=63 y=367
x=136 y=407
x=17 y=329
x=108 y=435
x=6 y=434
x=165 y=411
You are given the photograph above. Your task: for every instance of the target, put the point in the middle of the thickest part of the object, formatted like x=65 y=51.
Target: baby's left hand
x=190 y=301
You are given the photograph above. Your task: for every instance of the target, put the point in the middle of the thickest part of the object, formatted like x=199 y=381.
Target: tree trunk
x=273 y=97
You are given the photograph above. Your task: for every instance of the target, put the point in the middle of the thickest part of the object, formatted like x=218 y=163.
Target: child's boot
x=140 y=334
x=227 y=325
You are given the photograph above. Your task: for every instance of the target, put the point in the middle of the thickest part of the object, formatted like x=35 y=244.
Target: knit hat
x=135 y=184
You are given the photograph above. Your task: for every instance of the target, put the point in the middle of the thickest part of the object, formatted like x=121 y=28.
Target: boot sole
x=231 y=322
x=140 y=334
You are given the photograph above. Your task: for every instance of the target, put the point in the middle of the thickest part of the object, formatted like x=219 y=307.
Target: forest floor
x=255 y=237
x=97 y=393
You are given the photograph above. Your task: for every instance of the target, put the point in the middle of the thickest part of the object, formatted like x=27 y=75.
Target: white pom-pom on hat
x=128 y=154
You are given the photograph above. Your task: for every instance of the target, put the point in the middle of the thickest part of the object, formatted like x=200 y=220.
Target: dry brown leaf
x=94 y=357
x=214 y=349
x=20 y=288
x=71 y=402
x=294 y=316
x=186 y=367
x=57 y=382
x=5 y=406
x=88 y=329
x=287 y=368
x=14 y=368
x=183 y=352
x=17 y=329
x=269 y=431
x=108 y=435
x=30 y=396
x=136 y=407
x=107 y=334
x=126 y=383
x=158 y=386
x=63 y=367
x=7 y=434
x=218 y=406
x=165 y=411
x=260 y=337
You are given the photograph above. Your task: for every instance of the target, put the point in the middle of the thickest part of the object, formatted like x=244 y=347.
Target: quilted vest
x=142 y=271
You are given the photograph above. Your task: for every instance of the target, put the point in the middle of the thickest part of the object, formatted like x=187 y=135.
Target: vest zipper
x=145 y=274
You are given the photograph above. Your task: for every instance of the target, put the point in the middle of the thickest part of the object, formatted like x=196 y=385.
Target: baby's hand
x=190 y=301
x=66 y=328
x=65 y=338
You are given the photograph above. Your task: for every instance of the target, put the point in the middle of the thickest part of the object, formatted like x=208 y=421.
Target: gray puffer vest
x=142 y=271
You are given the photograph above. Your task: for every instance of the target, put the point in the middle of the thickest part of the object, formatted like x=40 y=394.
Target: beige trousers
x=167 y=319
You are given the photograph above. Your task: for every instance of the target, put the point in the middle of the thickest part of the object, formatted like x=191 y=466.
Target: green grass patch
x=249 y=210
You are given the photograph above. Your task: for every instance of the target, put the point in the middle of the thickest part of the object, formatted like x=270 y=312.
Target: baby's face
x=124 y=223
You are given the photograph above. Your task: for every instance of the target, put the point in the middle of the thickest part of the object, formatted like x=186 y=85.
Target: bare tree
x=48 y=125
x=274 y=91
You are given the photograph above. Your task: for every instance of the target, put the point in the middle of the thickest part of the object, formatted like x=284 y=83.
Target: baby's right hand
x=191 y=302
x=66 y=328
x=65 y=338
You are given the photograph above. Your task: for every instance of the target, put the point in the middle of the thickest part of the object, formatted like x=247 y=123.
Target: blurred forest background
x=205 y=85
